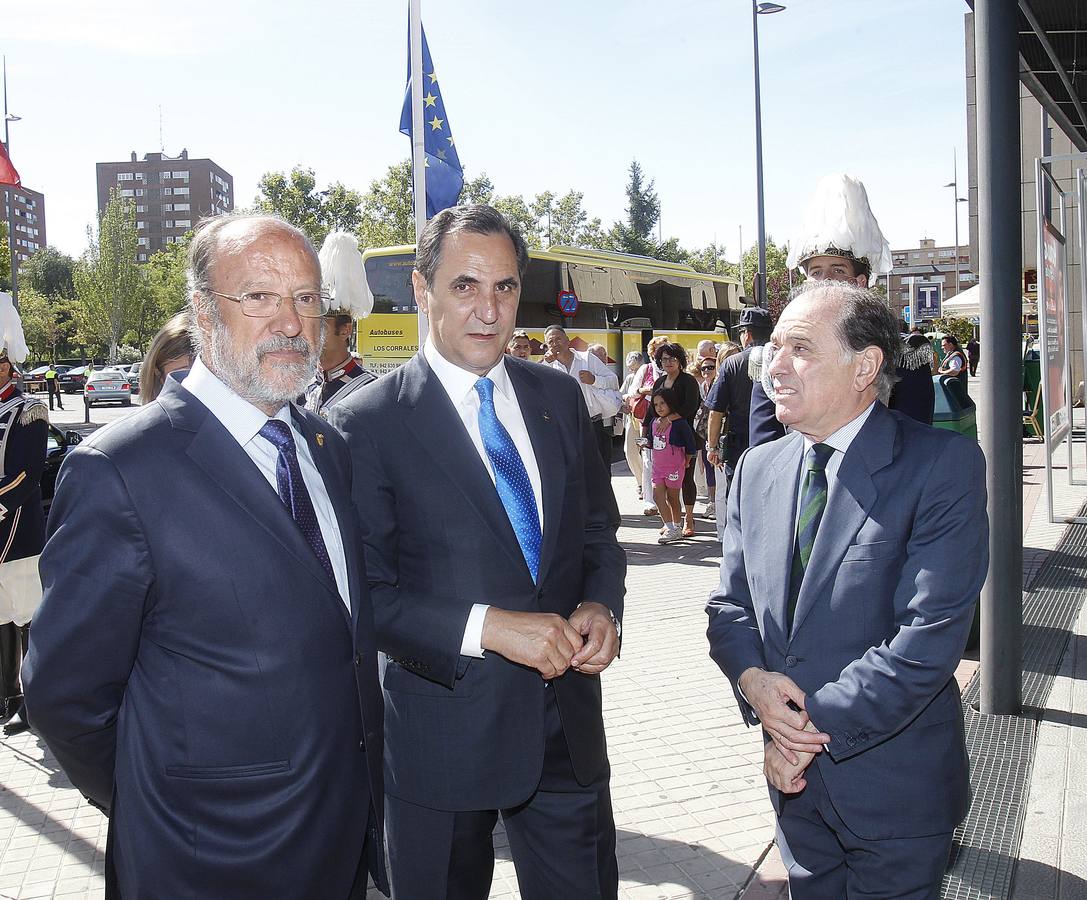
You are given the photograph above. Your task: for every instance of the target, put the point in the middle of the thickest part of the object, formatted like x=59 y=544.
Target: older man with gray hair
x=854 y=550
x=203 y=662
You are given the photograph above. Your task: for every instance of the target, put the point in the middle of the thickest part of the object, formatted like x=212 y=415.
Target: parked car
x=71 y=382
x=105 y=386
x=34 y=380
x=134 y=377
x=56 y=447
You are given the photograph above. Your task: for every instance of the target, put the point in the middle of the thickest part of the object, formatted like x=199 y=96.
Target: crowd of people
x=296 y=632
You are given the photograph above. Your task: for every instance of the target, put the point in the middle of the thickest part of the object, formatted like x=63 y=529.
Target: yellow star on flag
x=426 y=162
x=433 y=76
x=441 y=154
x=436 y=123
x=450 y=139
x=430 y=99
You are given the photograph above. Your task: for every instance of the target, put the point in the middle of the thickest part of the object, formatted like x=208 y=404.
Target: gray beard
x=241 y=372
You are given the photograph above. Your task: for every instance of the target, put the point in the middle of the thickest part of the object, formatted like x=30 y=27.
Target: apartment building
x=29 y=219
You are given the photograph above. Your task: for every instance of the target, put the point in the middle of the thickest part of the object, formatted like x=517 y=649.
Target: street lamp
x=954 y=185
x=760 y=9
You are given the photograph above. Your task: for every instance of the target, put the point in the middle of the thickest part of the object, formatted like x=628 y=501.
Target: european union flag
x=444 y=175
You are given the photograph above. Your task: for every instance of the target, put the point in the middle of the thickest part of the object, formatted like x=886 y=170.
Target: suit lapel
x=315 y=440
x=779 y=502
x=847 y=508
x=542 y=432
x=229 y=466
x=445 y=443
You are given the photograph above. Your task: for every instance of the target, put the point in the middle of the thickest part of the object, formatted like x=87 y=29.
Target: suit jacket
x=465 y=733
x=882 y=616
x=196 y=672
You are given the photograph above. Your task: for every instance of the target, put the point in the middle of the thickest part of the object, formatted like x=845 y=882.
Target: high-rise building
x=29 y=220
x=925 y=265
x=171 y=194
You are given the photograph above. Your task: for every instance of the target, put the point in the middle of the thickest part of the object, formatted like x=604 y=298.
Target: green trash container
x=954 y=410
x=1034 y=408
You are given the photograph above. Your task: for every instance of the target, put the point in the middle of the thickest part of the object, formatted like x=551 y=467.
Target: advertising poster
x=1054 y=341
x=387 y=340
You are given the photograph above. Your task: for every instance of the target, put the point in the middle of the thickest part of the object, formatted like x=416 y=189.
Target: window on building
x=140 y=176
x=141 y=257
x=184 y=175
x=181 y=207
x=141 y=209
x=169 y=223
x=181 y=192
x=140 y=192
x=141 y=241
x=167 y=192
x=124 y=176
x=931 y=254
x=140 y=226
x=126 y=192
x=182 y=223
x=167 y=207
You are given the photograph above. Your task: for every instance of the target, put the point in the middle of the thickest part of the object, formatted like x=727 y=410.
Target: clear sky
x=540 y=96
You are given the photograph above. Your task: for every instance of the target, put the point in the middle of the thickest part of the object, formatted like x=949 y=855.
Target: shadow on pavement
x=1038 y=881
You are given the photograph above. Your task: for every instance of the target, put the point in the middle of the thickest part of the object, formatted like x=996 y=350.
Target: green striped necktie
x=813 y=500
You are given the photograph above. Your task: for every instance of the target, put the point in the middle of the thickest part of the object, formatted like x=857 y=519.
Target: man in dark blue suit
x=203 y=663
x=854 y=551
x=497 y=584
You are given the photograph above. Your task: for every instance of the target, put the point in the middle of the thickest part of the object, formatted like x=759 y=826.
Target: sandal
x=688 y=531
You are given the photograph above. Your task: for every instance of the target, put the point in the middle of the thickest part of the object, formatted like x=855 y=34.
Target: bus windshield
x=389 y=278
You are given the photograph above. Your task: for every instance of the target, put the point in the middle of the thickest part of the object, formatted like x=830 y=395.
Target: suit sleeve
x=947 y=557
x=763 y=425
x=421 y=630
x=604 y=564
x=97 y=579
x=25 y=461
x=733 y=632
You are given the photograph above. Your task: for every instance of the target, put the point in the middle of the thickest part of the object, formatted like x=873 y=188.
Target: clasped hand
x=550 y=644
x=769 y=694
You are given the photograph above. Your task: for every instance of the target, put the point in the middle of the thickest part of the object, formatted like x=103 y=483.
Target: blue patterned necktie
x=813 y=500
x=510 y=476
x=292 y=490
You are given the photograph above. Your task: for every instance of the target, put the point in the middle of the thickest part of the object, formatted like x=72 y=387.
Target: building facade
x=29 y=220
x=171 y=194
x=926 y=272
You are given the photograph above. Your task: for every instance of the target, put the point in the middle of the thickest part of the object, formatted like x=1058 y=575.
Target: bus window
x=389 y=278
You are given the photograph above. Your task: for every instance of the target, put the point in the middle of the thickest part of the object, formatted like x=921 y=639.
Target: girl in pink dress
x=673 y=450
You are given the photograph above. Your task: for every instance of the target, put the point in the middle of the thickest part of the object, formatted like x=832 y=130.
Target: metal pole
x=742 y=288
x=418 y=138
x=11 y=202
x=1000 y=251
x=760 y=276
x=955 y=201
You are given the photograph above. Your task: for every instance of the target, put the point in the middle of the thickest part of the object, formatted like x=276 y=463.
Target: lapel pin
x=546 y=416
x=320 y=439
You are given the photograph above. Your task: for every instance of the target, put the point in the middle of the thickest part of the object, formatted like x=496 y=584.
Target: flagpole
x=418 y=150
x=11 y=202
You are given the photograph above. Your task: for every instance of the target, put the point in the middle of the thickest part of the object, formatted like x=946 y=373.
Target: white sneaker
x=674 y=533
x=711 y=511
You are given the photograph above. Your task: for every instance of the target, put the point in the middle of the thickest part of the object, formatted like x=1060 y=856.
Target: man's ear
x=203 y=317
x=418 y=284
x=871 y=361
x=862 y=280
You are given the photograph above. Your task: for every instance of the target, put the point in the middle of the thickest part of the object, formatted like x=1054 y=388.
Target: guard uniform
x=24 y=429
x=332 y=386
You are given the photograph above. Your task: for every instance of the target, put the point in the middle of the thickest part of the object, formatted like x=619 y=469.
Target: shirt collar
x=240 y=417
x=460 y=383
x=843 y=437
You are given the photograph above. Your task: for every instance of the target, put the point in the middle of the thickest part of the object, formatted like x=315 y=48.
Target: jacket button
x=358 y=659
x=362 y=746
x=790 y=661
x=863 y=736
x=850 y=741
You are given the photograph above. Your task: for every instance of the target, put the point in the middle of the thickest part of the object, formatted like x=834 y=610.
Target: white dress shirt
x=840 y=441
x=607 y=383
x=244 y=421
x=459 y=385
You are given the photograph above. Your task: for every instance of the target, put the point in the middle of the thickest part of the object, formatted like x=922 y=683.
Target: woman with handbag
x=24 y=429
x=632 y=423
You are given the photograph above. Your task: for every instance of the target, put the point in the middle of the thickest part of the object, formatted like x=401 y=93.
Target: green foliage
x=961 y=328
x=165 y=291
x=126 y=353
x=295 y=197
x=387 y=216
x=48 y=323
x=108 y=283
x=564 y=221
x=710 y=259
x=49 y=272
x=521 y=217
x=777 y=273
x=635 y=235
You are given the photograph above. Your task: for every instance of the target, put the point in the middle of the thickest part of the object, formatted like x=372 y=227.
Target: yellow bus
x=622 y=301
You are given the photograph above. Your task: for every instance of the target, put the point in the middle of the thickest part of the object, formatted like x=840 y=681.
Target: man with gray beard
x=203 y=662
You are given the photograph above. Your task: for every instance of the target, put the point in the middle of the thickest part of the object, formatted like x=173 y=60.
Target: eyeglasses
x=708 y=368
x=264 y=304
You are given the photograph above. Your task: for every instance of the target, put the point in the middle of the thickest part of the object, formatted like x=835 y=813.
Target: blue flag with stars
x=444 y=175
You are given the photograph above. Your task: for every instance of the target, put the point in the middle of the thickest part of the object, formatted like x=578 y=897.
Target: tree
x=295 y=198
x=165 y=291
x=710 y=259
x=643 y=211
x=108 y=281
x=777 y=273
x=564 y=221
x=49 y=272
x=521 y=217
x=478 y=190
x=960 y=327
x=48 y=323
x=387 y=217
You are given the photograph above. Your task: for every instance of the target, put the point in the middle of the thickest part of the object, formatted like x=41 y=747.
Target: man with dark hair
x=497 y=580
x=203 y=662
x=729 y=402
x=854 y=551
x=520 y=345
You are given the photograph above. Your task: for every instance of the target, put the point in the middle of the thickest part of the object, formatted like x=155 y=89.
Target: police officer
x=344 y=278
x=730 y=397
x=52 y=387
x=24 y=428
x=840 y=241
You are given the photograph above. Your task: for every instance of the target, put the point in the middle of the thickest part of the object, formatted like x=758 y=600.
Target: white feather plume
x=11 y=330
x=343 y=274
x=839 y=216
